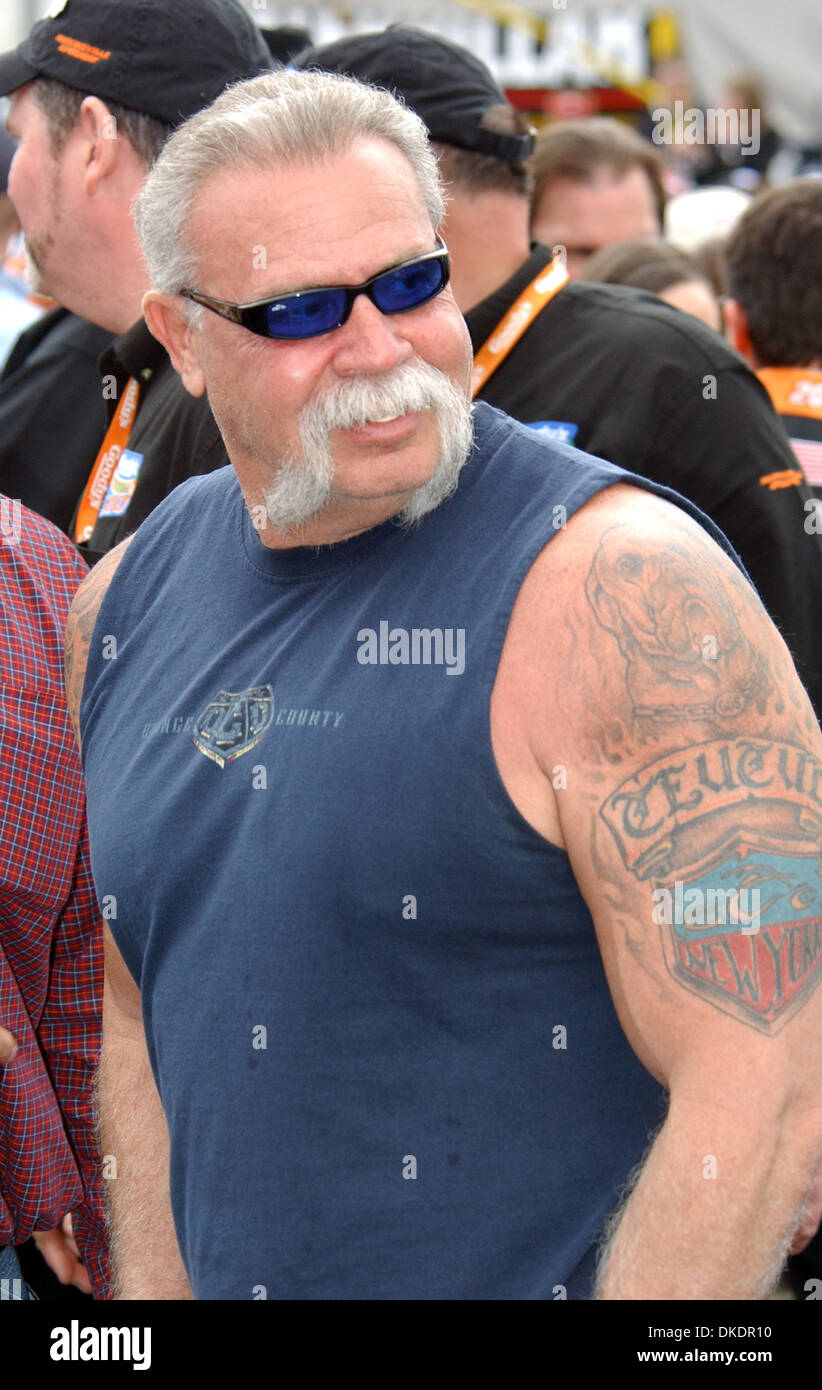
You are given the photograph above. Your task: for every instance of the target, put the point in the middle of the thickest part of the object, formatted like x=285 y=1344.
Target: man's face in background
x=36 y=189
x=583 y=217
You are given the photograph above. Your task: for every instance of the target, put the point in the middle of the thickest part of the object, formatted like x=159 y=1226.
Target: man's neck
x=116 y=279
x=487 y=235
x=119 y=308
x=112 y=299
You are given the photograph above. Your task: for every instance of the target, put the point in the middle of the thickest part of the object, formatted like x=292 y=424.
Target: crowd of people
x=323 y=975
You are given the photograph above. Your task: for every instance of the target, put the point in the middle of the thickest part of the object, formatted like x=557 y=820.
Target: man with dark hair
x=95 y=90
x=608 y=368
x=661 y=268
x=595 y=182
x=773 y=314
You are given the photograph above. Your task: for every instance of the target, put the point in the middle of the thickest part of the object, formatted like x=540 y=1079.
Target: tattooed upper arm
x=693 y=809
x=80 y=626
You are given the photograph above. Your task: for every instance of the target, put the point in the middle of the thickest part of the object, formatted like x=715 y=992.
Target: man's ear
x=736 y=329
x=168 y=322
x=103 y=145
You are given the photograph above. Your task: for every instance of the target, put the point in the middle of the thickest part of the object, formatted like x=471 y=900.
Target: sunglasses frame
x=253 y=316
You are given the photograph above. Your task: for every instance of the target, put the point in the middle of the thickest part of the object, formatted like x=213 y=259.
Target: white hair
x=280 y=118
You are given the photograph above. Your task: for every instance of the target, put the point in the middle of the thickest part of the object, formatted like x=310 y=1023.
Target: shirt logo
x=789 y=477
x=234 y=723
x=560 y=430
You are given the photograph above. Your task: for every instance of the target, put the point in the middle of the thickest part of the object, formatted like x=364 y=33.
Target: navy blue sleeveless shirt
x=373 y=997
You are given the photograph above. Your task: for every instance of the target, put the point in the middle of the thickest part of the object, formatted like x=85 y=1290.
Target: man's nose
x=370 y=341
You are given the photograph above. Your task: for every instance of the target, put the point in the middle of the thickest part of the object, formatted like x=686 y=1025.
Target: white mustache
x=406 y=389
x=304 y=481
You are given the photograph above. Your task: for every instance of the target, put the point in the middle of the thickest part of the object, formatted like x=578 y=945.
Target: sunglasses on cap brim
x=310 y=313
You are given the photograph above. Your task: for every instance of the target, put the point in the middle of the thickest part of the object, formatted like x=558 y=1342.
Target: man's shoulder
x=635 y=318
x=30 y=546
x=192 y=497
x=617 y=317
x=612 y=358
x=648 y=386
x=630 y=540
x=523 y=456
x=199 y=490
x=40 y=572
x=530 y=484
x=531 y=462
x=57 y=335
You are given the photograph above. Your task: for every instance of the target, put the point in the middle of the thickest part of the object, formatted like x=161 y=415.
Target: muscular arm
x=133 y=1131
x=80 y=626
x=694 y=771
x=144 y=1251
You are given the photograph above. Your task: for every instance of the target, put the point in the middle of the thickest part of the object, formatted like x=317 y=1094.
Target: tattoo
x=80 y=626
x=725 y=833
x=719 y=826
x=677 y=628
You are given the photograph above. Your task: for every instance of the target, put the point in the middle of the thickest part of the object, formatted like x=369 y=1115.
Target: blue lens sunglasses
x=309 y=313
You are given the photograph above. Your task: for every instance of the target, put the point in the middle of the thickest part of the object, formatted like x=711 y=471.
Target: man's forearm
x=133 y=1131
x=714 y=1208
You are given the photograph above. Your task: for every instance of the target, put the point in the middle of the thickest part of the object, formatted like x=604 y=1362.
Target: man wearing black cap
x=607 y=368
x=96 y=89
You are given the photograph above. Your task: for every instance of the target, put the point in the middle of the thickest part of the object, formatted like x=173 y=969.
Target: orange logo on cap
x=75 y=48
x=789 y=477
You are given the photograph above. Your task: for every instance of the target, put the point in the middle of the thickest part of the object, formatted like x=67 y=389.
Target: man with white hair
x=607 y=368
x=416 y=738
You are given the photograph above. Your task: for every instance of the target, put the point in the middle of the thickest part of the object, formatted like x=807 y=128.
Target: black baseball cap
x=165 y=58
x=448 y=88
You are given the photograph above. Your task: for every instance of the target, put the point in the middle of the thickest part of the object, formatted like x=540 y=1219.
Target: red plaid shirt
x=51 y=968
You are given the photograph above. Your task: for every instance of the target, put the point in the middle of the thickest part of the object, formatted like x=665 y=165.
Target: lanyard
x=514 y=322
x=104 y=465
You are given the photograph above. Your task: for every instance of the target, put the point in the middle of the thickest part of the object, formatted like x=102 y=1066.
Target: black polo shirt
x=173 y=438
x=620 y=374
